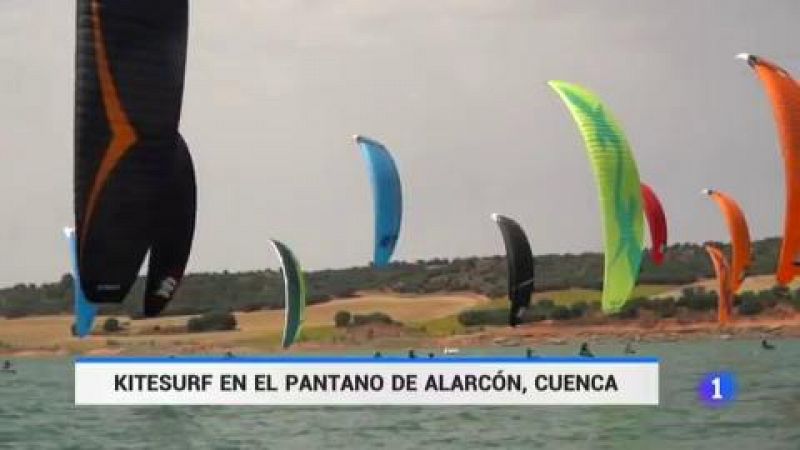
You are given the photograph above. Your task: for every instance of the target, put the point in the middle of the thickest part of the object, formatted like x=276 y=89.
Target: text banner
x=366 y=381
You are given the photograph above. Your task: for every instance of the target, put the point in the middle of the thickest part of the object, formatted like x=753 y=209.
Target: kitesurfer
x=229 y=354
x=377 y=354
x=411 y=354
x=585 y=350
x=766 y=345
x=529 y=352
x=430 y=355
x=7 y=367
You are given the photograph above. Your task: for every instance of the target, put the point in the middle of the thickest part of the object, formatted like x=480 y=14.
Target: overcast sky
x=455 y=88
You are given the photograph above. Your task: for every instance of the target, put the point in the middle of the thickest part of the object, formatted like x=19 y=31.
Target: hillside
x=250 y=291
x=52 y=331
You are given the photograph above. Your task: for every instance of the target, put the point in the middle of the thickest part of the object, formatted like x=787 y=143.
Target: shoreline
x=400 y=338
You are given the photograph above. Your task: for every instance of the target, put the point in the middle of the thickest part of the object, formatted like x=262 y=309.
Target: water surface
x=37 y=411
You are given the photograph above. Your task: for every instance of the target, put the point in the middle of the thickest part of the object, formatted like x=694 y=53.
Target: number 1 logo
x=717 y=389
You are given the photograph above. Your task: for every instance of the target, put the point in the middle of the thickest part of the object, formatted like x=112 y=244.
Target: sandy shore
x=666 y=330
x=259 y=332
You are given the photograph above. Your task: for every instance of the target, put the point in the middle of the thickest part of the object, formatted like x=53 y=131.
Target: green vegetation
x=692 y=299
x=577 y=275
x=213 y=321
x=344 y=319
x=111 y=325
x=443 y=326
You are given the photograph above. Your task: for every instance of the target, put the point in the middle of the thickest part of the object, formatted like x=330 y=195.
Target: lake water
x=37 y=411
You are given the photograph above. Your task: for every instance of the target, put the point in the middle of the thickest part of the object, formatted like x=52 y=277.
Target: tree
x=213 y=321
x=111 y=325
x=375 y=317
x=560 y=312
x=342 y=319
x=750 y=307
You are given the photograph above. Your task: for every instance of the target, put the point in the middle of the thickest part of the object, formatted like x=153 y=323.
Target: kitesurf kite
x=134 y=178
x=85 y=312
x=657 y=221
x=740 y=236
x=724 y=294
x=619 y=190
x=294 y=292
x=520 y=267
x=387 y=195
x=784 y=96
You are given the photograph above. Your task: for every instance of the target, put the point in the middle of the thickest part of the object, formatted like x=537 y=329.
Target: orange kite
x=784 y=96
x=725 y=294
x=740 y=236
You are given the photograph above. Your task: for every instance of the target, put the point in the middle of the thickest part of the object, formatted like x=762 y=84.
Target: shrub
x=664 y=307
x=213 y=321
x=779 y=291
x=628 y=312
x=560 y=312
x=533 y=315
x=342 y=319
x=750 y=307
x=578 y=309
x=371 y=318
x=473 y=317
x=111 y=325
x=545 y=304
x=698 y=299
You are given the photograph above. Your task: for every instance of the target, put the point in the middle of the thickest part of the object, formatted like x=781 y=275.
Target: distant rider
x=585 y=350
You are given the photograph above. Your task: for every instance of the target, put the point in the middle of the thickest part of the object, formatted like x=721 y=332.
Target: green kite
x=619 y=190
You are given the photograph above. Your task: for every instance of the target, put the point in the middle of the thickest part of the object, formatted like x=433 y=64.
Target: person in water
x=629 y=350
x=430 y=355
x=6 y=365
x=229 y=354
x=377 y=354
x=529 y=352
x=766 y=345
x=585 y=350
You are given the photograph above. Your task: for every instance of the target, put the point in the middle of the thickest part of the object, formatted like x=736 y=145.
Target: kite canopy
x=784 y=96
x=134 y=178
x=740 y=236
x=520 y=267
x=85 y=312
x=294 y=292
x=657 y=221
x=387 y=195
x=618 y=187
x=724 y=292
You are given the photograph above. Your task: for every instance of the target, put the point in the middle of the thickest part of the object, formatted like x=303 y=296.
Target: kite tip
x=707 y=191
x=495 y=217
x=750 y=59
